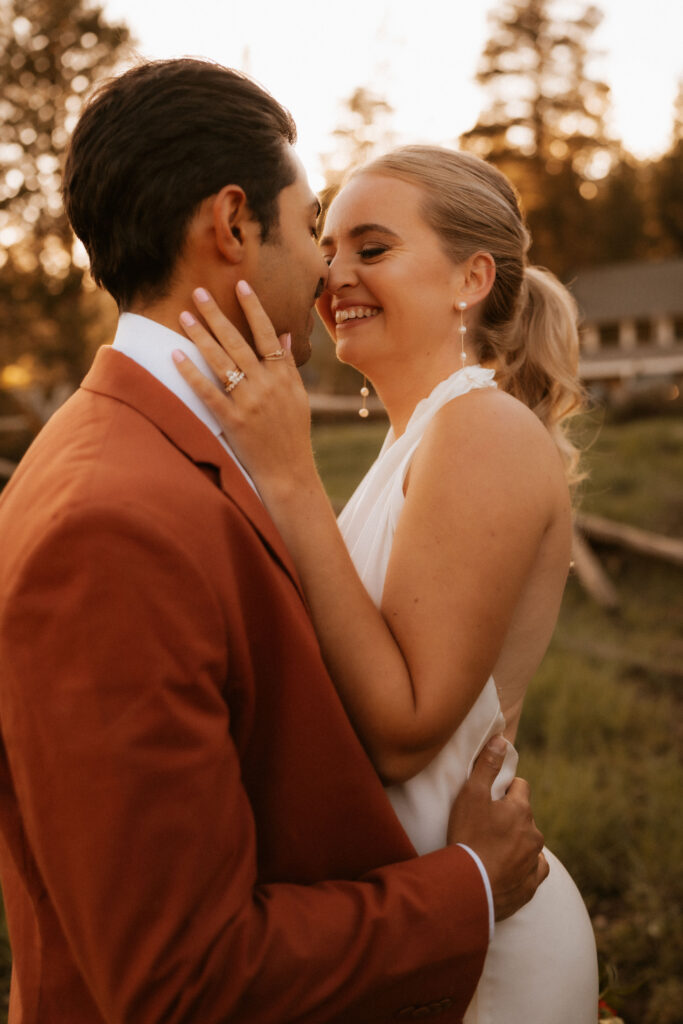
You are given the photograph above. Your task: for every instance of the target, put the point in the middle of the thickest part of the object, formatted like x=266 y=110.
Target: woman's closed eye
x=367 y=253
x=371 y=252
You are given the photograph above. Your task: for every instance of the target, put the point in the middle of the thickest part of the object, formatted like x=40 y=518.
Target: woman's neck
x=400 y=388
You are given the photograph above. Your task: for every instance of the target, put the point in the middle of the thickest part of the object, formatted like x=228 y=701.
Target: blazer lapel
x=115 y=375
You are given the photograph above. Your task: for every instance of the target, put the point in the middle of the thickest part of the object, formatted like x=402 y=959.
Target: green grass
x=636 y=473
x=600 y=743
x=344 y=452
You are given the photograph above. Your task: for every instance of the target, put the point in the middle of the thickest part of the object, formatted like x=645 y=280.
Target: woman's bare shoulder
x=496 y=447
x=488 y=422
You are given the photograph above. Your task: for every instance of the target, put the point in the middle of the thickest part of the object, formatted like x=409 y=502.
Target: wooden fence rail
x=645 y=543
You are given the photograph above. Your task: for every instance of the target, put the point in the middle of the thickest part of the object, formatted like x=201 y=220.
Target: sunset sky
x=420 y=55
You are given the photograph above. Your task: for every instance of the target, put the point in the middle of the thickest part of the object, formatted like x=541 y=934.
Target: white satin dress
x=541 y=966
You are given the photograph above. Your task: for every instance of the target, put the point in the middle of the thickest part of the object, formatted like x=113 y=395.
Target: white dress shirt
x=150 y=344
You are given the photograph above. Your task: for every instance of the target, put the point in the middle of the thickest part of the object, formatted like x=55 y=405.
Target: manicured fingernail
x=288 y=342
x=201 y=295
x=243 y=288
x=186 y=319
x=177 y=356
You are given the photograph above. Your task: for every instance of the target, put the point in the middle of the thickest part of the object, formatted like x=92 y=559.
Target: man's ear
x=233 y=223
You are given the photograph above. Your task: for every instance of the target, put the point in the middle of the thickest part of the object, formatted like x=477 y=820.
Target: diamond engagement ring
x=279 y=353
x=232 y=379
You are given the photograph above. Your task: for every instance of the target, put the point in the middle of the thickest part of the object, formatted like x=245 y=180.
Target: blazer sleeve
x=119 y=743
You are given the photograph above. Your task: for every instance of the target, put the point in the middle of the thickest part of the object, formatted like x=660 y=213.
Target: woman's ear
x=232 y=222
x=479 y=274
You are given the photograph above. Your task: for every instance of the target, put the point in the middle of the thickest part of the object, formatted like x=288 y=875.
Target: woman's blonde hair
x=527 y=329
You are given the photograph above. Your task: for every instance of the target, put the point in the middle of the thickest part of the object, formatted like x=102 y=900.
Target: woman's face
x=392 y=292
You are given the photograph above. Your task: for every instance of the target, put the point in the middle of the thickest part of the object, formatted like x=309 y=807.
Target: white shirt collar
x=150 y=344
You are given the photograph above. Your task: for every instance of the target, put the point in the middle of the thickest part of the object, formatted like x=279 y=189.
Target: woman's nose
x=340 y=274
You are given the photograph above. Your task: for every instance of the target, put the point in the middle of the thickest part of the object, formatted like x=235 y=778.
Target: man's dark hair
x=150 y=146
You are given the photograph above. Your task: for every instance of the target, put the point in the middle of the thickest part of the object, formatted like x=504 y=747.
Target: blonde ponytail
x=538 y=364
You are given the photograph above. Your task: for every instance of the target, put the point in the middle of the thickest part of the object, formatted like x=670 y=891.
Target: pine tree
x=364 y=130
x=545 y=122
x=667 y=187
x=52 y=52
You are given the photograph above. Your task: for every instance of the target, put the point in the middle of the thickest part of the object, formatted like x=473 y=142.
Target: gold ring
x=279 y=353
x=232 y=379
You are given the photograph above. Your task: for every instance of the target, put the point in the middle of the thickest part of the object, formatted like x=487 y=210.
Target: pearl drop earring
x=364 y=412
x=462 y=306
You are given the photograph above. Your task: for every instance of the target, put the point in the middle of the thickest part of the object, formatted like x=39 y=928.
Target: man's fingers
x=489 y=762
x=519 y=790
x=265 y=339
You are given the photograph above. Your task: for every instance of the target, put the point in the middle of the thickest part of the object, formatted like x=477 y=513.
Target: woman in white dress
x=436 y=607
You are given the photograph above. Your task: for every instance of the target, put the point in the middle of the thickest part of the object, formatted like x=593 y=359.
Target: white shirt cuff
x=487 y=887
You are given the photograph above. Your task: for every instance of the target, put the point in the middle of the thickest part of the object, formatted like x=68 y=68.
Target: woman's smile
x=351 y=316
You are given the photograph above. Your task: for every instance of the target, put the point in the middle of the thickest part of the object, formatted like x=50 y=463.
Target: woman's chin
x=347 y=352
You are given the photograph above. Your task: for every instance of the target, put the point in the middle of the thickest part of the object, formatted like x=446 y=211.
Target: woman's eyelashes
x=367 y=252
x=371 y=252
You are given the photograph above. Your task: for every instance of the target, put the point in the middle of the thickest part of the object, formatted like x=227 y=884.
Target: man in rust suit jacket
x=190 y=830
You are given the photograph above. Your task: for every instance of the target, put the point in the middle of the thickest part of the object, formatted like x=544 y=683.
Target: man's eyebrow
x=362 y=229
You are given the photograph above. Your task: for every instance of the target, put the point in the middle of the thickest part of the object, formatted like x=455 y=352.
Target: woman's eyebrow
x=362 y=229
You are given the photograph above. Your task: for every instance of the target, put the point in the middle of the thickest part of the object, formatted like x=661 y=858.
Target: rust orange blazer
x=190 y=830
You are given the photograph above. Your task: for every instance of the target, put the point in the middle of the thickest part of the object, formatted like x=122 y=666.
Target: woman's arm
x=465 y=542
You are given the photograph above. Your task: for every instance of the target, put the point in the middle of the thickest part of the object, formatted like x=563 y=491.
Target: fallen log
x=620 y=655
x=591 y=574
x=643 y=541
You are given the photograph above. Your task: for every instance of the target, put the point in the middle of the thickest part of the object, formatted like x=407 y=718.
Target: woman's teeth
x=355 y=313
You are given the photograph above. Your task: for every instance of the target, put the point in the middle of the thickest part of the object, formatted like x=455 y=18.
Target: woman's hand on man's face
x=263 y=407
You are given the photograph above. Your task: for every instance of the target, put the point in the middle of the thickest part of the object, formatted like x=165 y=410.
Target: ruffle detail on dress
x=469 y=378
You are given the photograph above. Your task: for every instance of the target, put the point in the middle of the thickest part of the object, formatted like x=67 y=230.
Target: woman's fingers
x=266 y=341
x=216 y=401
x=221 y=330
x=215 y=354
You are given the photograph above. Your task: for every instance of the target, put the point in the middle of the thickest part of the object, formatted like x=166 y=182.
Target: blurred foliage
x=544 y=125
x=667 y=188
x=543 y=102
x=636 y=472
x=601 y=744
x=364 y=131
x=52 y=53
x=344 y=452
